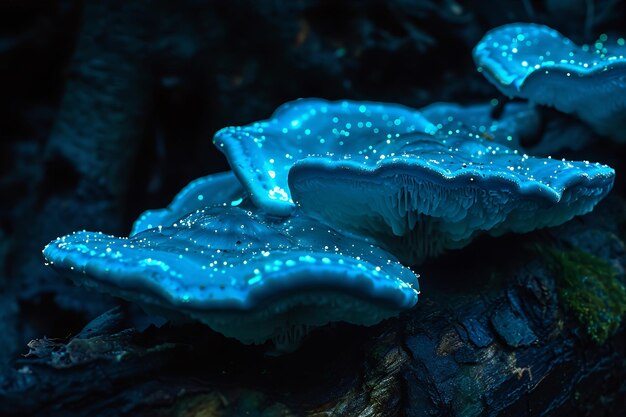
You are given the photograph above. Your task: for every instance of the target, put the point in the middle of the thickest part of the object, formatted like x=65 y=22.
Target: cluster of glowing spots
x=242 y=272
x=513 y=122
x=217 y=189
x=438 y=191
x=277 y=265
x=538 y=63
x=279 y=194
x=262 y=153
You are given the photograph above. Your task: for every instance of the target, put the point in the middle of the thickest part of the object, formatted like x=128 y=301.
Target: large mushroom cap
x=244 y=274
x=538 y=63
x=217 y=189
x=438 y=192
x=262 y=153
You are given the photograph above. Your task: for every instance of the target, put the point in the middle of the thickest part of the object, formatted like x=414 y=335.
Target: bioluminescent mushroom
x=262 y=153
x=216 y=189
x=514 y=121
x=437 y=192
x=538 y=63
x=247 y=275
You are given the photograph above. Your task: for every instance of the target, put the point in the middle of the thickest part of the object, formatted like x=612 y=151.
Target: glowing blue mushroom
x=421 y=194
x=262 y=153
x=216 y=189
x=538 y=63
x=247 y=275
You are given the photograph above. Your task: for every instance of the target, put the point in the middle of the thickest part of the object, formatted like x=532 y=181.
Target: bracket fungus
x=538 y=63
x=437 y=192
x=245 y=274
x=235 y=252
x=217 y=189
x=262 y=153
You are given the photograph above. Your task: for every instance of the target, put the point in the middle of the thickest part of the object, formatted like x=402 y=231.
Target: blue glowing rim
x=214 y=189
x=149 y=284
x=313 y=166
x=235 y=143
x=497 y=74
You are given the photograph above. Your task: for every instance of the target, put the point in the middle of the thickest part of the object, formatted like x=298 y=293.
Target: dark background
x=108 y=108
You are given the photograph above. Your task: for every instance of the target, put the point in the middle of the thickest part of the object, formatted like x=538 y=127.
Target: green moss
x=590 y=289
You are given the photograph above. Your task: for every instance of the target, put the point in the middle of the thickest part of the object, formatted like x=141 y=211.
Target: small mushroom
x=262 y=153
x=537 y=63
x=245 y=274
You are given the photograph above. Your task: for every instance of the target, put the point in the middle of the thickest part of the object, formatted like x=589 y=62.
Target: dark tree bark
x=84 y=178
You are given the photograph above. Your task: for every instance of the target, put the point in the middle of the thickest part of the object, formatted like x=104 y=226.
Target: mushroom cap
x=538 y=63
x=247 y=275
x=516 y=120
x=217 y=189
x=438 y=192
x=262 y=153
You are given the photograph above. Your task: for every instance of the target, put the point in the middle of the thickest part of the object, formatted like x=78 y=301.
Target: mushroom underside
x=416 y=219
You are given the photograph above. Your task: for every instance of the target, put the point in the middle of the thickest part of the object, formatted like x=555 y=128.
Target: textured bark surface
x=97 y=129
